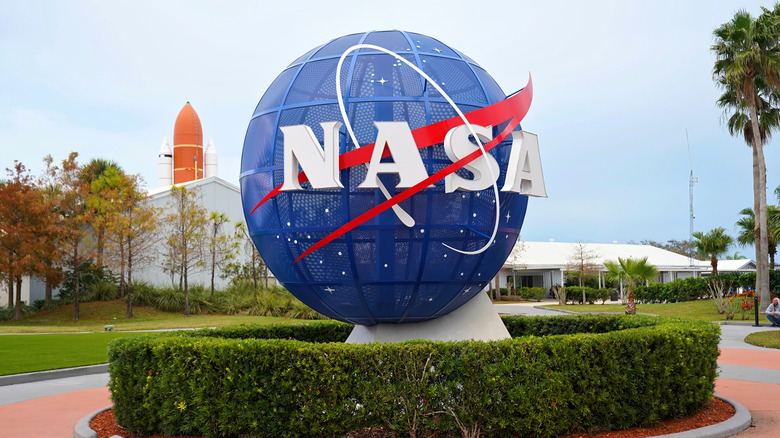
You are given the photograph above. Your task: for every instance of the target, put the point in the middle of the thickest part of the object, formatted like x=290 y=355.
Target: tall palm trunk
x=759 y=207
x=631 y=306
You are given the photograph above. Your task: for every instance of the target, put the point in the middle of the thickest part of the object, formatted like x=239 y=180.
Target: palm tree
x=103 y=177
x=747 y=224
x=736 y=256
x=712 y=245
x=632 y=271
x=747 y=68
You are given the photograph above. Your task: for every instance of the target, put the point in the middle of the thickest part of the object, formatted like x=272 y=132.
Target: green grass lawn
x=52 y=344
x=701 y=310
x=768 y=339
x=95 y=315
x=27 y=353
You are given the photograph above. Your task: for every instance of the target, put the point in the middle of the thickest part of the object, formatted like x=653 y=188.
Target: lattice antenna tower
x=692 y=214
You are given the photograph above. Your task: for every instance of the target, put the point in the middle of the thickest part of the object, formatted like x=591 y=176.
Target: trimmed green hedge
x=555 y=376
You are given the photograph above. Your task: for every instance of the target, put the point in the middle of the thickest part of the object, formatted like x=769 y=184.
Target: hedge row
x=624 y=371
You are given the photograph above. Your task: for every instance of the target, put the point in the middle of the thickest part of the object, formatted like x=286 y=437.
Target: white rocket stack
x=210 y=160
x=165 y=165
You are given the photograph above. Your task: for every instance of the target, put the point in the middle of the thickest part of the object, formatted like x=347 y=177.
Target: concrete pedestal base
x=477 y=320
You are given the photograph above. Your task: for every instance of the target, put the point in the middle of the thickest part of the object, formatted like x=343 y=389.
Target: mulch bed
x=715 y=412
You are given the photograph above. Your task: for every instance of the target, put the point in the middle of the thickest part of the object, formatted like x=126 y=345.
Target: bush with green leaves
x=532 y=293
x=681 y=289
x=556 y=375
x=90 y=276
x=592 y=294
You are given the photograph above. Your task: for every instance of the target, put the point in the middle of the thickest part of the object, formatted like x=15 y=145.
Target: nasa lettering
x=394 y=194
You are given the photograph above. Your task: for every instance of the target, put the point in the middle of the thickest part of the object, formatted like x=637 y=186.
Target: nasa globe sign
x=385 y=177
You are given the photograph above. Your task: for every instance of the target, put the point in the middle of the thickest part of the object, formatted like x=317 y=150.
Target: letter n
x=321 y=164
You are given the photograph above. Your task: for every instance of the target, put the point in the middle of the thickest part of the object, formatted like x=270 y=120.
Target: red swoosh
x=514 y=106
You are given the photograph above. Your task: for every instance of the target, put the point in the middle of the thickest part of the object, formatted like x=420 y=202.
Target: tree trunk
x=583 y=291
x=129 y=279
x=48 y=291
x=10 y=290
x=213 y=268
x=186 y=294
x=76 y=289
x=101 y=232
x=631 y=306
x=759 y=208
x=18 y=306
x=121 y=268
x=714 y=263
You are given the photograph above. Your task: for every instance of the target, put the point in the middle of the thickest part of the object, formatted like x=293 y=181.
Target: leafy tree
x=70 y=194
x=222 y=247
x=104 y=178
x=747 y=225
x=634 y=273
x=255 y=264
x=131 y=232
x=27 y=226
x=582 y=261
x=712 y=245
x=747 y=68
x=736 y=256
x=187 y=222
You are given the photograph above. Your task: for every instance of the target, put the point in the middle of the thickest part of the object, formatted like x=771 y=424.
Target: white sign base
x=475 y=320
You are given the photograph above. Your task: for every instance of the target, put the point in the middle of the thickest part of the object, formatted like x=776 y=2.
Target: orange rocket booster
x=187 y=146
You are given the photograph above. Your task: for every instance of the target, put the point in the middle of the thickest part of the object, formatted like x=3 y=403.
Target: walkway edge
x=737 y=423
x=83 y=430
x=38 y=376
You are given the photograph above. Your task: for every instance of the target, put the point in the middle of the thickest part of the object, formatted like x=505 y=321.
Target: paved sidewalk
x=749 y=375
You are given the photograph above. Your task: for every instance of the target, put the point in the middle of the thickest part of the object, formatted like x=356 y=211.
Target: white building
x=32 y=289
x=544 y=264
x=215 y=194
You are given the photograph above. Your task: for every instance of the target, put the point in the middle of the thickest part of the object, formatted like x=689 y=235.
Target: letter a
x=524 y=173
x=320 y=164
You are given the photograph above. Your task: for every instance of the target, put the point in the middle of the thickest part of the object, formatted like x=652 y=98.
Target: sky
x=616 y=85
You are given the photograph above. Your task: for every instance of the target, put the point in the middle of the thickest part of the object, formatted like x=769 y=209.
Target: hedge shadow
x=556 y=375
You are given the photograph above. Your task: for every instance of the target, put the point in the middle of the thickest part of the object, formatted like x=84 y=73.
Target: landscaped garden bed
x=556 y=376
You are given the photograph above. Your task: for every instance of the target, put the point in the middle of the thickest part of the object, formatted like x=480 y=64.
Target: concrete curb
x=15 y=379
x=569 y=312
x=83 y=430
x=734 y=425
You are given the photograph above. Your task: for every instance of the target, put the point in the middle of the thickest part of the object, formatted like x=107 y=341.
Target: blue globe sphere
x=381 y=271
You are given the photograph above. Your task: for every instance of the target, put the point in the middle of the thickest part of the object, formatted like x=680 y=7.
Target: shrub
x=102 y=290
x=298 y=310
x=144 y=294
x=681 y=289
x=88 y=275
x=301 y=380
x=532 y=293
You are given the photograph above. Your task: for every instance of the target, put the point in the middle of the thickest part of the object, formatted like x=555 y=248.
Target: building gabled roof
x=557 y=255
x=158 y=191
